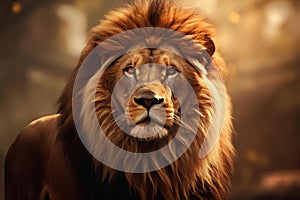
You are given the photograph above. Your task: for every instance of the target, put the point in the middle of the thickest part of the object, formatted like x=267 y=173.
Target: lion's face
x=141 y=86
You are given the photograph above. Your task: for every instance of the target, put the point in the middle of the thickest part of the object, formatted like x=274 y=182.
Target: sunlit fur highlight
x=189 y=177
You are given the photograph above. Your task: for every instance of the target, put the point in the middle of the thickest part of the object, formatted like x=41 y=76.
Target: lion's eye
x=129 y=71
x=171 y=72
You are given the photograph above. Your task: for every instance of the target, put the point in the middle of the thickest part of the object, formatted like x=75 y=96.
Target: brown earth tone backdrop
x=260 y=40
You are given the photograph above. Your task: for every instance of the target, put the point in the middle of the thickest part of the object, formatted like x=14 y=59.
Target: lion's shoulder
x=26 y=156
x=37 y=133
x=35 y=163
x=33 y=138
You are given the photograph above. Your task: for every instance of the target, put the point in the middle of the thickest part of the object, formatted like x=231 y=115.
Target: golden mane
x=189 y=177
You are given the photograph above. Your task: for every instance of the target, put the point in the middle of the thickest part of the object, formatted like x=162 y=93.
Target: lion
x=49 y=159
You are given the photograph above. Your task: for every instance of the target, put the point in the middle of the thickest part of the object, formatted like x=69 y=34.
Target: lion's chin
x=150 y=131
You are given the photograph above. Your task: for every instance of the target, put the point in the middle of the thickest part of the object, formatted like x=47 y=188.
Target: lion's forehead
x=159 y=56
x=150 y=73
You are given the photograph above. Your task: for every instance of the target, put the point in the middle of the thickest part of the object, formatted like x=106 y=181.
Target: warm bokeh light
x=16 y=7
x=234 y=17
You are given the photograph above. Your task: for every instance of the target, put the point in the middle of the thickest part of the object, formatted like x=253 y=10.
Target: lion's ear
x=209 y=45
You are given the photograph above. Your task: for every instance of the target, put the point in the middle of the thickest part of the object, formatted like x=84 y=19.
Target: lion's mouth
x=144 y=122
x=150 y=126
x=147 y=120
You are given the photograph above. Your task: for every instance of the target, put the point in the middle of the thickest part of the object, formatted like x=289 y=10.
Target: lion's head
x=144 y=97
x=151 y=105
x=141 y=86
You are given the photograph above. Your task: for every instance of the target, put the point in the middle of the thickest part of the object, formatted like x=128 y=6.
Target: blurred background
x=260 y=40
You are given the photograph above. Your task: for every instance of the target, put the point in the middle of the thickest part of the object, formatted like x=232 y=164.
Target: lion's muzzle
x=150 y=108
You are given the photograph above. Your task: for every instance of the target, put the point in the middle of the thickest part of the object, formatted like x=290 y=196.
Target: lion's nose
x=148 y=103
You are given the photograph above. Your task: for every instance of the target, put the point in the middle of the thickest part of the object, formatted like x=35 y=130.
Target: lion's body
x=49 y=161
x=36 y=168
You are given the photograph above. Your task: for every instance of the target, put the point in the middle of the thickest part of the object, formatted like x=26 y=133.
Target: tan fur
x=189 y=177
